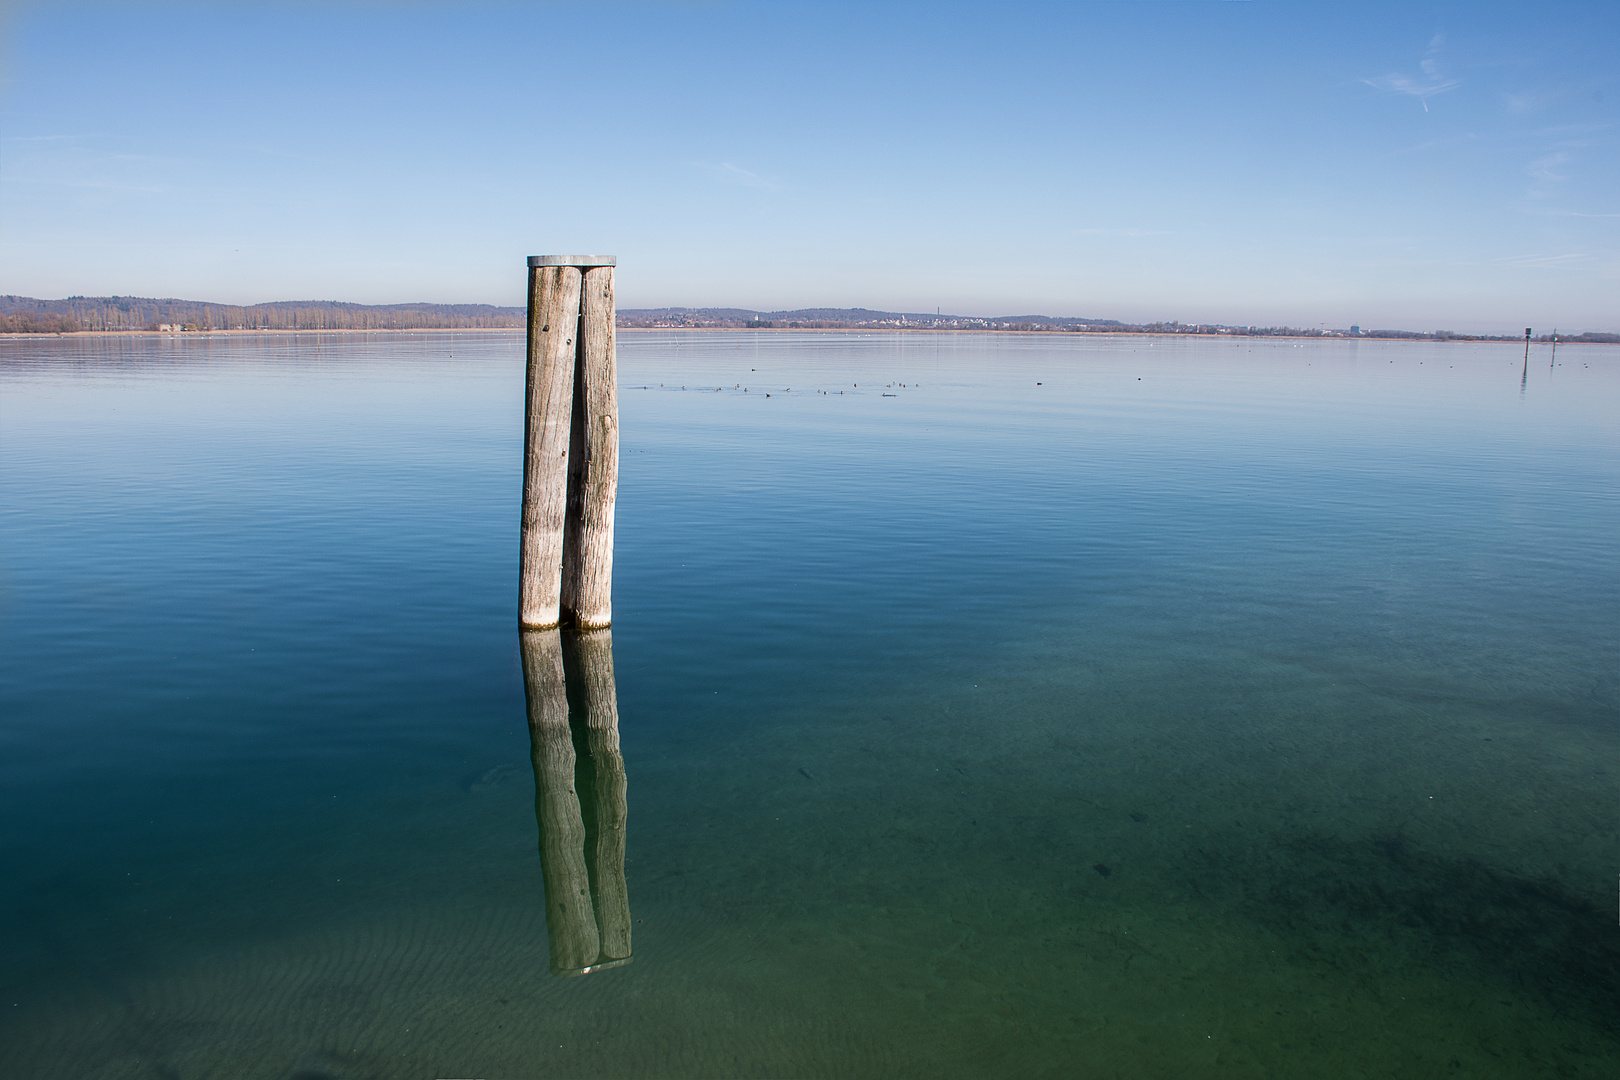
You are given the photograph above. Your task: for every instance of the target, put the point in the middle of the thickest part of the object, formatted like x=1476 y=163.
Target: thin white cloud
x=99 y=185
x=1568 y=130
x=49 y=138
x=1541 y=211
x=1526 y=102
x=727 y=173
x=1547 y=172
x=1546 y=168
x=63 y=163
x=1542 y=260
x=1433 y=80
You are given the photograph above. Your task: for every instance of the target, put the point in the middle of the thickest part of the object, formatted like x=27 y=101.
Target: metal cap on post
x=572 y=260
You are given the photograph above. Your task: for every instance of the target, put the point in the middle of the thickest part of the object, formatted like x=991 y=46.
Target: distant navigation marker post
x=570 y=444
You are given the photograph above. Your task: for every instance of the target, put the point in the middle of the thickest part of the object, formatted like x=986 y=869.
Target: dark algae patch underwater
x=1113 y=707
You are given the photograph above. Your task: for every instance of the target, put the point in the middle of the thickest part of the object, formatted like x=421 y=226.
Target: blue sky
x=1404 y=165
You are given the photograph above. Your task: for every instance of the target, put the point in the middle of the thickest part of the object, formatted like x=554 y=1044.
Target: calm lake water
x=1000 y=705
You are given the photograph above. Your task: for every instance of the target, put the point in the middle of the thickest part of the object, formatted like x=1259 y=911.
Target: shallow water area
x=1045 y=704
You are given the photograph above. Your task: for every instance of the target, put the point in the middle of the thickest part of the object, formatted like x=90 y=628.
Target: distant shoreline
x=728 y=329
x=31 y=316
x=30 y=335
x=251 y=333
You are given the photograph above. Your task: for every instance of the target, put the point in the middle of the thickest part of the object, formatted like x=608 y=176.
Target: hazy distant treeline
x=23 y=314
x=863 y=319
x=848 y=319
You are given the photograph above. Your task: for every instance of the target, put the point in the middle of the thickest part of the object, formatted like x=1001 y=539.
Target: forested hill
x=24 y=314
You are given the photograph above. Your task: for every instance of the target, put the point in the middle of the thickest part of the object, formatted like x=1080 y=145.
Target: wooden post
x=549 y=396
x=593 y=474
x=562 y=368
x=588 y=665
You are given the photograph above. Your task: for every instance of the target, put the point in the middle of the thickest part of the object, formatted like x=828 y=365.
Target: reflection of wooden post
x=588 y=661
x=593 y=473
x=570 y=918
x=571 y=398
x=577 y=758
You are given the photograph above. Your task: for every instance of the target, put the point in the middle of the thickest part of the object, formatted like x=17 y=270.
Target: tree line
x=22 y=314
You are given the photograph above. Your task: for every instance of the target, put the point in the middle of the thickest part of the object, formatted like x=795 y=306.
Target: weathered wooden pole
x=557 y=361
x=593 y=465
x=548 y=405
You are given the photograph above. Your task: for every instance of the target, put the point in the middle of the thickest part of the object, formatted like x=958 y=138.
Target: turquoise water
x=1091 y=706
